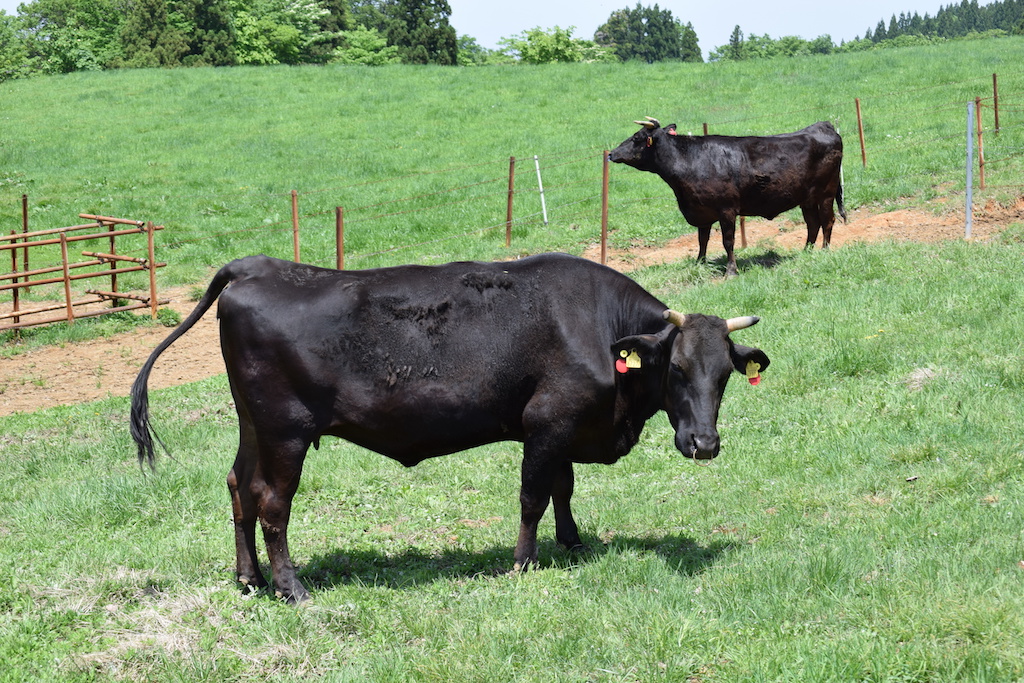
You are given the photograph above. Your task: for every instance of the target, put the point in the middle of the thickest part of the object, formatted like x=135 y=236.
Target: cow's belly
x=412 y=426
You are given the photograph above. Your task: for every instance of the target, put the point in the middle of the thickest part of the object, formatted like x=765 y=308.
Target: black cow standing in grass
x=718 y=177
x=563 y=354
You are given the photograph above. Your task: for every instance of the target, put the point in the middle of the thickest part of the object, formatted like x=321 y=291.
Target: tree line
x=61 y=36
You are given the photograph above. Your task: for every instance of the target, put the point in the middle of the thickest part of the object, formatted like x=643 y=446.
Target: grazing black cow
x=563 y=354
x=718 y=177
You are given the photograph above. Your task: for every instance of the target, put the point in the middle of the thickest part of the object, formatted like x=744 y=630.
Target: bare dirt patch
x=100 y=368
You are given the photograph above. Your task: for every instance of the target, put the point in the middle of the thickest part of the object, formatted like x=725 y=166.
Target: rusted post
x=981 y=146
x=154 y=305
x=860 y=131
x=113 y=264
x=511 y=191
x=705 y=128
x=67 y=276
x=24 y=229
x=14 y=269
x=995 y=98
x=604 y=209
x=295 y=224
x=339 y=236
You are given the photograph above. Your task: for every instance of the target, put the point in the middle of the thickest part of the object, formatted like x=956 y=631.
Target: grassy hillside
x=417 y=155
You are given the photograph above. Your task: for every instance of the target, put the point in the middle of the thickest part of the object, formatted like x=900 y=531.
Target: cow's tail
x=839 y=202
x=141 y=429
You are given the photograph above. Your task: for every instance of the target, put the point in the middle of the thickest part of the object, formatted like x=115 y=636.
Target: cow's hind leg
x=828 y=219
x=243 y=508
x=566 y=531
x=810 y=212
x=273 y=488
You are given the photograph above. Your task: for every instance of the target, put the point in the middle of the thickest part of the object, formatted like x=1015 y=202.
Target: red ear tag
x=620 y=366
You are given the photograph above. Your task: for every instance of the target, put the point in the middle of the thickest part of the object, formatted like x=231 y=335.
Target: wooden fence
x=98 y=264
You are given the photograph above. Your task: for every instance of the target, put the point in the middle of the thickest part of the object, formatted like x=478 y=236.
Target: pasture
x=863 y=521
x=419 y=157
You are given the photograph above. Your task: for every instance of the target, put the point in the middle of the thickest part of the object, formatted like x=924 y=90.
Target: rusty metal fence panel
x=106 y=264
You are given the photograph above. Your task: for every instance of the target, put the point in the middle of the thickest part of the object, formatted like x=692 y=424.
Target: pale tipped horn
x=674 y=317
x=741 y=323
x=649 y=125
x=653 y=120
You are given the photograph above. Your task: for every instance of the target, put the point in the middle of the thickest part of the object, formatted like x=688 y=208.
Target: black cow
x=717 y=177
x=563 y=354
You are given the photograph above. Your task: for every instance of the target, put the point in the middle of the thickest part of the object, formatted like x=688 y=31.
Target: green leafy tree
x=328 y=37
x=689 y=50
x=277 y=31
x=537 y=46
x=471 y=53
x=365 y=46
x=734 y=50
x=72 y=35
x=14 y=61
x=370 y=14
x=421 y=32
x=147 y=37
x=648 y=34
x=209 y=31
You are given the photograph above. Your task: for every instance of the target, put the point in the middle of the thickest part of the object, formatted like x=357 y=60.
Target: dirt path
x=106 y=367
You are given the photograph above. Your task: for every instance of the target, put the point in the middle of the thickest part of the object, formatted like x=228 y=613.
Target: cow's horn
x=654 y=121
x=674 y=317
x=646 y=124
x=740 y=323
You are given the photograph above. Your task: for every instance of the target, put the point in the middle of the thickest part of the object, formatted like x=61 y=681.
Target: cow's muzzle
x=702 y=448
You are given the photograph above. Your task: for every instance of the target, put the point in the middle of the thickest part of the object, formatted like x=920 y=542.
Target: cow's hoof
x=578 y=549
x=521 y=567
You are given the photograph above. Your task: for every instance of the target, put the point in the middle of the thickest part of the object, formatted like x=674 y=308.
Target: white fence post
x=540 y=185
x=970 y=169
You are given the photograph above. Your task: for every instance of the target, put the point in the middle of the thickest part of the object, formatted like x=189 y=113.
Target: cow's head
x=638 y=151
x=689 y=363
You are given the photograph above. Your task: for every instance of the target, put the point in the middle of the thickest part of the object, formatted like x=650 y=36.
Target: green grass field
x=863 y=522
x=418 y=157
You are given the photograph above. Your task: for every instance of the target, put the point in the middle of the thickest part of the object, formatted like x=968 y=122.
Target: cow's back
x=414 y=361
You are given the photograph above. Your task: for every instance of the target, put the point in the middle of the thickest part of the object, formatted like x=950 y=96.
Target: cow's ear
x=639 y=352
x=671 y=128
x=749 y=361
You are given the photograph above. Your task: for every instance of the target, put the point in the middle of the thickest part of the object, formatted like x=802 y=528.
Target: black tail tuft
x=141 y=429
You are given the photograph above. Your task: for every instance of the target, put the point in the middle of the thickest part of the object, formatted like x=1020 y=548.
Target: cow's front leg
x=566 y=531
x=534 y=495
x=728 y=225
x=703 y=237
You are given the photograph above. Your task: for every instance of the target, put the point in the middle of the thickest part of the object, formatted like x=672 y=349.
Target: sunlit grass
x=862 y=523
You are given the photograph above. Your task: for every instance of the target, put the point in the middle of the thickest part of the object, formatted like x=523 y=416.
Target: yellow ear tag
x=753 y=372
x=632 y=359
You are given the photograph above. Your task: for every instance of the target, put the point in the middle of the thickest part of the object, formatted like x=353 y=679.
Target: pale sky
x=490 y=20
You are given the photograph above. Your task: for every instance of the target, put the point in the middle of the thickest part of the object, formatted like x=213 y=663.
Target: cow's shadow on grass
x=765 y=259
x=415 y=567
